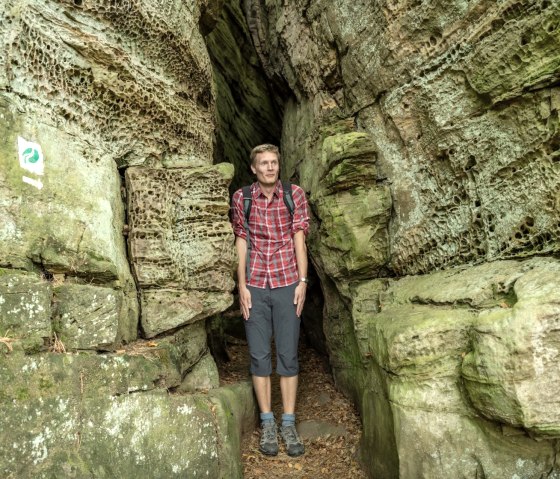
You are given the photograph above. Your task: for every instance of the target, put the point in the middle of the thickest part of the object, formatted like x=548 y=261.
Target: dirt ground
x=333 y=427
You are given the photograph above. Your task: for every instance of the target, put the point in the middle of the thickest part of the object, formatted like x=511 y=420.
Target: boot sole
x=297 y=454
x=267 y=453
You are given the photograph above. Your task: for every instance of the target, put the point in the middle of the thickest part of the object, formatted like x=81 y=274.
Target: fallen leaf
x=325 y=458
x=6 y=342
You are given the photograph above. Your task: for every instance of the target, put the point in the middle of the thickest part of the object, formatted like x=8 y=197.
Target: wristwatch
x=304 y=280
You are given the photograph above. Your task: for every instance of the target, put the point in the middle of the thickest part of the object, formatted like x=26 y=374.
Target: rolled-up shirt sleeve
x=301 y=211
x=237 y=220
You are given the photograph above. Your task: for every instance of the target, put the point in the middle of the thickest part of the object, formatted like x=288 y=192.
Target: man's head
x=265 y=163
x=266 y=147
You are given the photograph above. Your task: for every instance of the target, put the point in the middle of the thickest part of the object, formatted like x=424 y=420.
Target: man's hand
x=245 y=301
x=299 y=297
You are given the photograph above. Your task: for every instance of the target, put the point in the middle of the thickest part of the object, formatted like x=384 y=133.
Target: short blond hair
x=263 y=148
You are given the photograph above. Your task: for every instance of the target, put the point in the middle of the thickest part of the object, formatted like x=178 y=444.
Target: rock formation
x=113 y=220
x=246 y=111
x=426 y=135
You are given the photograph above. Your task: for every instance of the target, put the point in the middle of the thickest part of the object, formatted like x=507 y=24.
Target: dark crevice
x=249 y=104
x=125 y=232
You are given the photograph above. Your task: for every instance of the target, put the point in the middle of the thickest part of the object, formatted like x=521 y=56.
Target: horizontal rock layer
x=77 y=416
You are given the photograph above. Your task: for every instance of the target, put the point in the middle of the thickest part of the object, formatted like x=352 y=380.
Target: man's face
x=266 y=168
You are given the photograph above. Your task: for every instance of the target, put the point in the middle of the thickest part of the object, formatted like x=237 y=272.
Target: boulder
x=449 y=361
x=106 y=416
x=179 y=234
x=180 y=243
x=202 y=377
x=133 y=82
x=87 y=317
x=164 y=310
x=354 y=211
x=25 y=308
x=510 y=374
x=75 y=229
x=183 y=348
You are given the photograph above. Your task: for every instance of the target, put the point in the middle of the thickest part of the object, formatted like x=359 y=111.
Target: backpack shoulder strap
x=247 y=202
x=288 y=198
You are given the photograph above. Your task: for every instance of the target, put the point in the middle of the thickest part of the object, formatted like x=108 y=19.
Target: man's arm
x=244 y=293
x=241 y=247
x=301 y=259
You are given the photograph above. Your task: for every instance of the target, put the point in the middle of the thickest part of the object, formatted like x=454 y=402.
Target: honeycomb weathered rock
x=460 y=100
x=179 y=234
x=117 y=73
x=180 y=243
x=87 y=89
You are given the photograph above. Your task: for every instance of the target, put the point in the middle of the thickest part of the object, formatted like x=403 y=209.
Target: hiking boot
x=269 y=442
x=294 y=446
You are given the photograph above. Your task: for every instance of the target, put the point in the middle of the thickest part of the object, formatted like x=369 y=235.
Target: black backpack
x=247 y=203
x=248 y=200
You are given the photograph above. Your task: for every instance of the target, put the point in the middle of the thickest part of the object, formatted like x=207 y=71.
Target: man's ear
x=253 y=169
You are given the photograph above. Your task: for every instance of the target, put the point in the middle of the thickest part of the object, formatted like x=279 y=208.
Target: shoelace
x=269 y=433
x=290 y=434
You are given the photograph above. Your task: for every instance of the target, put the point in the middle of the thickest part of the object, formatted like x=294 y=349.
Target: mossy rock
x=25 y=309
x=103 y=416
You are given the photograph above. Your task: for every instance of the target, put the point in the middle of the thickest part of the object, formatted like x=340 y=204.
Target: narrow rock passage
x=327 y=421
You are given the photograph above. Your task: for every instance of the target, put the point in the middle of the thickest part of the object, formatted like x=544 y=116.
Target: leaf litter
x=327 y=456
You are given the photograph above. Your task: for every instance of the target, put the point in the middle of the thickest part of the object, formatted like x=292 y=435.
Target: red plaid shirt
x=273 y=257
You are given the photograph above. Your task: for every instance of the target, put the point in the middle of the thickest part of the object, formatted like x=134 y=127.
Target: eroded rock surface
x=99 y=416
x=246 y=111
x=512 y=378
x=472 y=175
x=92 y=93
x=86 y=317
x=460 y=365
x=116 y=74
x=426 y=135
x=25 y=307
x=180 y=243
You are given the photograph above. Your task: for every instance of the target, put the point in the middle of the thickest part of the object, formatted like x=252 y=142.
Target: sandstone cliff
x=426 y=135
x=113 y=230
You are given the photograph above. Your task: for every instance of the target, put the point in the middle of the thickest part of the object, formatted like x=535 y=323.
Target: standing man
x=272 y=289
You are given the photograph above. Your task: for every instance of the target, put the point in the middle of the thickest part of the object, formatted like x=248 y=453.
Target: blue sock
x=288 y=420
x=267 y=417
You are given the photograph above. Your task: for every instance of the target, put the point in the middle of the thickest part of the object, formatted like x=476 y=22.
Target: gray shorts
x=273 y=311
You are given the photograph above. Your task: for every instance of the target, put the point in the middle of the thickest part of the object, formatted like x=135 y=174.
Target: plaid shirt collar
x=256 y=190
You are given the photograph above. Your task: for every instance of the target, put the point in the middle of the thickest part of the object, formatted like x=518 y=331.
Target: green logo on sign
x=30 y=155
